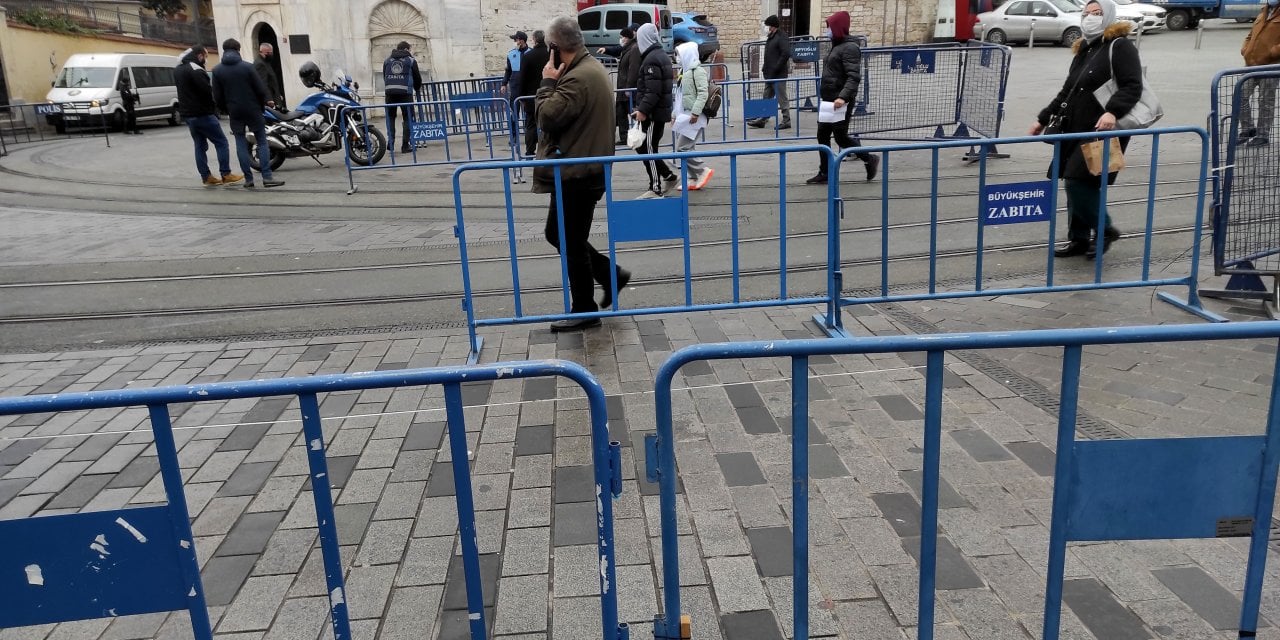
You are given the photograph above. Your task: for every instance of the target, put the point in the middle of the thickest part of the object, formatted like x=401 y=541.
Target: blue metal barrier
x=1148 y=489
x=461 y=122
x=143 y=560
x=630 y=221
x=523 y=103
x=1244 y=243
x=1045 y=206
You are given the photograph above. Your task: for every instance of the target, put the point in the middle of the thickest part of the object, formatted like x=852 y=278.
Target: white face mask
x=1091 y=25
x=826 y=33
x=622 y=41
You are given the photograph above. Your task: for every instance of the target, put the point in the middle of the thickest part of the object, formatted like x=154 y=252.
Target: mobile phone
x=555 y=56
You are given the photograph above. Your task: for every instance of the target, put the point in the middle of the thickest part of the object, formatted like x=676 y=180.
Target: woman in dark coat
x=1104 y=48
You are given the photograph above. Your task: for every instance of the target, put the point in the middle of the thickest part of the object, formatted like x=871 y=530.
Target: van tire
x=118 y=120
x=174 y=117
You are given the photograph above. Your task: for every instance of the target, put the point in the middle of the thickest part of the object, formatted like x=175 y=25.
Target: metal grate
x=909 y=88
x=985 y=73
x=1250 y=195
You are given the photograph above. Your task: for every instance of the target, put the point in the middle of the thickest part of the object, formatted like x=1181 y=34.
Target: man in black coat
x=401 y=80
x=653 y=105
x=535 y=58
x=198 y=110
x=129 y=98
x=628 y=73
x=776 y=66
x=275 y=92
x=240 y=92
x=841 y=75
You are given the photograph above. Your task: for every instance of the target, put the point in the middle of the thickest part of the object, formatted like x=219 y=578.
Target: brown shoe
x=210 y=181
x=232 y=178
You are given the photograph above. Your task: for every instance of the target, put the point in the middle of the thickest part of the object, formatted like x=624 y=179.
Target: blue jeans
x=206 y=129
x=259 y=129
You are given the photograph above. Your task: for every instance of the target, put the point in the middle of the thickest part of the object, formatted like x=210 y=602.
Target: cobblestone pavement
x=245 y=472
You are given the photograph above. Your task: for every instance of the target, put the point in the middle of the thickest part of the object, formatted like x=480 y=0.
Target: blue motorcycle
x=315 y=128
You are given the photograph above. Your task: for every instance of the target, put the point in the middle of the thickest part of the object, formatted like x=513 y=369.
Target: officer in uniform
x=401 y=79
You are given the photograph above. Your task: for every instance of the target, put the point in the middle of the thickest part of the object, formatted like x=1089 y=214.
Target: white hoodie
x=694 y=87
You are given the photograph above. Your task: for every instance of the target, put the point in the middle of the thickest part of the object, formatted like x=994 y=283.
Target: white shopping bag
x=635 y=135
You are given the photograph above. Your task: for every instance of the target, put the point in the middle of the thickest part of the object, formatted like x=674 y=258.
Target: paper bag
x=1092 y=151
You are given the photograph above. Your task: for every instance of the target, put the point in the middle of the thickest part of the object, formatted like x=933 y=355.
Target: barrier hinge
x=651 y=457
x=840 y=206
x=456 y=232
x=615 y=468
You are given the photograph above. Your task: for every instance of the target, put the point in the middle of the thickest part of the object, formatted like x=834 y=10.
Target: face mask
x=1091 y=25
x=826 y=33
x=623 y=41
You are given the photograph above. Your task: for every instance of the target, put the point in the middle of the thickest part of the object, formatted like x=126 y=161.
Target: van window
x=86 y=77
x=666 y=19
x=615 y=20
x=589 y=21
x=149 y=77
x=641 y=17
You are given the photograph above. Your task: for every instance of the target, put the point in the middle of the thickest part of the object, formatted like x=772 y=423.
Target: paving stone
x=899 y=407
x=574 y=484
x=1210 y=600
x=824 y=462
x=530 y=508
x=352 y=521
x=771 y=548
x=575 y=618
x=133 y=627
x=637 y=598
x=948 y=498
x=400 y=500
x=953 y=570
x=247 y=479
x=979 y=445
x=740 y=469
x=758 y=505
x=982 y=615
x=286 y=551
x=219 y=466
x=385 y=542
x=426 y=561
x=219 y=516
x=94 y=448
x=367 y=589
x=522 y=605
x=574 y=523
x=1037 y=456
x=455 y=594
x=692 y=571
x=821 y=621
x=757 y=420
x=576 y=571
x=251 y=534
x=18 y=452
x=76 y=495
x=55 y=479
x=535 y=440
x=407 y=617
x=423 y=436
x=736 y=584
x=720 y=534
x=1100 y=612
x=379 y=453
x=436 y=517
x=138 y=473
x=527 y=552
x=255 y=605
x=300 y=619
x=365 y=485
x=901 y=511
x=245 y=437
x=750 y=625
x=866 y=619
x=489 y=492
x=279 y=494
x=413 y=466
x=222 y=577
x=532 y=471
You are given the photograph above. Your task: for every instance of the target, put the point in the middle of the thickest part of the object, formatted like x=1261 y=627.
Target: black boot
x=1073 y=248
x=1109 y=235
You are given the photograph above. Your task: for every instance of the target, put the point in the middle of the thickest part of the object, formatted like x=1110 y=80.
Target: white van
x=602 y=25
x=88 y=88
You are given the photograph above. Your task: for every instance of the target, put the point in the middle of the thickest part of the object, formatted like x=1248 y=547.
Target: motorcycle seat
x=292 y=115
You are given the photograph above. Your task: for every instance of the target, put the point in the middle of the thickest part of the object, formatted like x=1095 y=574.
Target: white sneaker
x=650 y=195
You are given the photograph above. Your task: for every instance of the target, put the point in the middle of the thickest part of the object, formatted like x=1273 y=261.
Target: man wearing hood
x=653 y=103
x=1102 y=53
x=1261 y=46
x=198 y=110
x=238 y=91
x=400 y=80
x=574 y=105
x=841 y=75
x=776 y=66
x=695 y=88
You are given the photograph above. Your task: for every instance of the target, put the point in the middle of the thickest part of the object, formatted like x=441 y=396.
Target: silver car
x=1052 y=20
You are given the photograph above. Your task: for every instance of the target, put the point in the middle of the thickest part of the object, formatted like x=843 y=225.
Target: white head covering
x=647 y=36
x=687 y=54
x=1108 y=13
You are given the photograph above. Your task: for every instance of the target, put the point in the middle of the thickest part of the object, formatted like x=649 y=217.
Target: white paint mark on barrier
x=34 y=575
x=474 y=616
x=99 y=544
x=335 y=597
x=316 y=445
x=130 y=528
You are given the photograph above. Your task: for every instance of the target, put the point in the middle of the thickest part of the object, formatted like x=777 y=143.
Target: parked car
x=700 y=29
x=1055 y=21
x=87 y=89
x=602 y=25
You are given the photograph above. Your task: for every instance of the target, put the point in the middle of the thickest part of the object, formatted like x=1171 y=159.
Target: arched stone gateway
x=390 y=23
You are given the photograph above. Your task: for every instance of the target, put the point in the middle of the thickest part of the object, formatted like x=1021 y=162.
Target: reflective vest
x=397 y=74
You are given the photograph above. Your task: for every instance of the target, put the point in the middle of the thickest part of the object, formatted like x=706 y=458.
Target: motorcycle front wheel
x=277 y=158
x=369 y=151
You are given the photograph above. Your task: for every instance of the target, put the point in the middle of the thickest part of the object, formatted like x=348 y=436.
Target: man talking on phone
x=574 y=107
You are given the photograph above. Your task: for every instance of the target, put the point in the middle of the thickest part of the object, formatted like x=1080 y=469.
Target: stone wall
x=883 y=21
x=501 y=18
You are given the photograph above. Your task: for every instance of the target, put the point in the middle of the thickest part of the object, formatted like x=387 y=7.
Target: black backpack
x=714 y=99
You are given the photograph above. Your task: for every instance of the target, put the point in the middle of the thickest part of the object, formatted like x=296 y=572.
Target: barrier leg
x=466 y=508
x=1262 y=517
x=325 y=519
x=1070 y=396
x=800 y=495
x=929 y=493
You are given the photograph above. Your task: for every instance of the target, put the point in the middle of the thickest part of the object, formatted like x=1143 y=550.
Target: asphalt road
x=116 y=245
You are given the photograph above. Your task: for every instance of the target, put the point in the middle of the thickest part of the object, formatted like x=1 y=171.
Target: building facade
x=451 y=39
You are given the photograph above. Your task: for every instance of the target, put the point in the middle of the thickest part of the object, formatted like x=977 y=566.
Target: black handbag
x=1058 y=119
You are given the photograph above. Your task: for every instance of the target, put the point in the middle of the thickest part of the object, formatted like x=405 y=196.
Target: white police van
x=87 y=90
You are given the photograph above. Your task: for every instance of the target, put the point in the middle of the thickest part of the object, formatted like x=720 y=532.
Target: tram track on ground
x=454 y=296
x=456 y=263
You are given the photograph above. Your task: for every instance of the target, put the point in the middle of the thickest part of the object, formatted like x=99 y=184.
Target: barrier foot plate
x=1190 y=308
x=354 y=188
x=474 y=356
x=820 y=319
